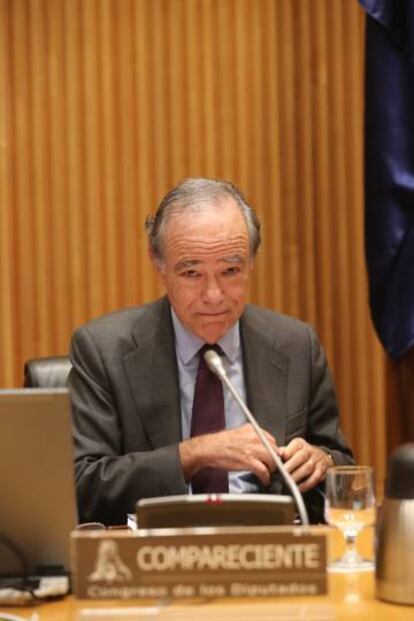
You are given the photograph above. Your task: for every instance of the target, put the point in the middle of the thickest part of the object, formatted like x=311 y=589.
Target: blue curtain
x=389 y=170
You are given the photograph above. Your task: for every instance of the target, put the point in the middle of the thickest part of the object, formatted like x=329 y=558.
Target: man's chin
x=213 y=331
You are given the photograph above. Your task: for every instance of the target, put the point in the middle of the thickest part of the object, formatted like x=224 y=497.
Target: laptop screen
x=37 y=492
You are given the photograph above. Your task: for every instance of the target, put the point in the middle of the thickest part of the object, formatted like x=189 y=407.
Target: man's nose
x=212 y=292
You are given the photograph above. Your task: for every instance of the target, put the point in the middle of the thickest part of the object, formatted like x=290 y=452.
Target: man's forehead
x=214 y=233
x=195 y=247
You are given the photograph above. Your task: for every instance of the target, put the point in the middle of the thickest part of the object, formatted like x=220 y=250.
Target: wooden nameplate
x=199 y=562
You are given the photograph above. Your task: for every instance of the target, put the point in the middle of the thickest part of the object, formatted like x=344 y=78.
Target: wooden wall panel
x=105 y=104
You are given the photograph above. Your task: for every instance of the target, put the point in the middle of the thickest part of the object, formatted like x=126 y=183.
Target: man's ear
x=156 y=262
x=153 y=259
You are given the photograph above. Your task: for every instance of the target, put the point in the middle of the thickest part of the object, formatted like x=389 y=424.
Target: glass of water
x=350 y=506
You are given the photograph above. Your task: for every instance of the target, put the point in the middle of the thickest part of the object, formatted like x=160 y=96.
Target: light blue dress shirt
x=186 y=346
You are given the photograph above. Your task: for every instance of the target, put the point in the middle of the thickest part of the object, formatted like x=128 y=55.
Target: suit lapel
x=266 y=373
x=152 y=373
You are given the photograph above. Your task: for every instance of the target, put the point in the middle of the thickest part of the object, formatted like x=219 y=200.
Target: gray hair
x=191 y=195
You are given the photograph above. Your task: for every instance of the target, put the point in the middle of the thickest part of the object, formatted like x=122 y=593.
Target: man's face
x=206 y=268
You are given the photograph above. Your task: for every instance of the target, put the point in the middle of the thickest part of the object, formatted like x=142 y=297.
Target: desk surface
x=350 y=596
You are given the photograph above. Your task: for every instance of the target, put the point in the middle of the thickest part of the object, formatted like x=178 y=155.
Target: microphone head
x=214 y=363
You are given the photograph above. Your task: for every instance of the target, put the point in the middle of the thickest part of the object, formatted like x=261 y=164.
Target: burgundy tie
x=208 y=417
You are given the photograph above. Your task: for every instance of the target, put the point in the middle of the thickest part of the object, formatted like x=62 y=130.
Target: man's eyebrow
x=234 y=258
x=188 y=263
x=182 y=265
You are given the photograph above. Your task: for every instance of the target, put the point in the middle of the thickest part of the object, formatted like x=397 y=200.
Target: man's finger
x=297 y=460
x=309 y=483
x=293 y=447
x=261 y=471
x=305 y=470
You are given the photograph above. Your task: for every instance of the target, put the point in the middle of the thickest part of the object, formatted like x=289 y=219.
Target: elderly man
x=150 y=420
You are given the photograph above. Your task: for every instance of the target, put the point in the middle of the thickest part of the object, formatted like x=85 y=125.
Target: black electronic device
x=213 y=510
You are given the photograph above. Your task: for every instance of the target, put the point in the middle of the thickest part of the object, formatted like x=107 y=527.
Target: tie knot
x=202 y=363
x=206 y=347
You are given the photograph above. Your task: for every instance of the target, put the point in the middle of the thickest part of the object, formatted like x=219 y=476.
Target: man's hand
x=306 y=463
x=231 y=449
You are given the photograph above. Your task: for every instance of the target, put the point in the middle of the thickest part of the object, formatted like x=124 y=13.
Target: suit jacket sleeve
x=116 y=462
x=289 y=385
x=311 y=410
x=323 y=427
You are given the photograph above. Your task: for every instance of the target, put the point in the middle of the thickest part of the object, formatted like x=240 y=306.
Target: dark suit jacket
x=126 y=401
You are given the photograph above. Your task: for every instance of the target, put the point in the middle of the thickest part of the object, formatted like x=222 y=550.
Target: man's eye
x=231 y=271
x=190 y=274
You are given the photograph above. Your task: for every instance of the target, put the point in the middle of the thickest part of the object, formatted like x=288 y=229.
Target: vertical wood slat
x=72 y=80
x=90 y=88
x=109 y=146
x=104 y=105
x=23 y=215
x=145 y=162
x=306 y=188
x=7 y=228
x=338 y=212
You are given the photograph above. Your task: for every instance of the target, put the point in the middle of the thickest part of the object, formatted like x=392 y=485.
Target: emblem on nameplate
x=109 y=566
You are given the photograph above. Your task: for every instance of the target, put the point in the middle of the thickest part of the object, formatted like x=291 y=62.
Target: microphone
x=215 y=365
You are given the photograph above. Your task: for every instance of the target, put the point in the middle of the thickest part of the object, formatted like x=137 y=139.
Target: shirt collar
x=187 y=344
